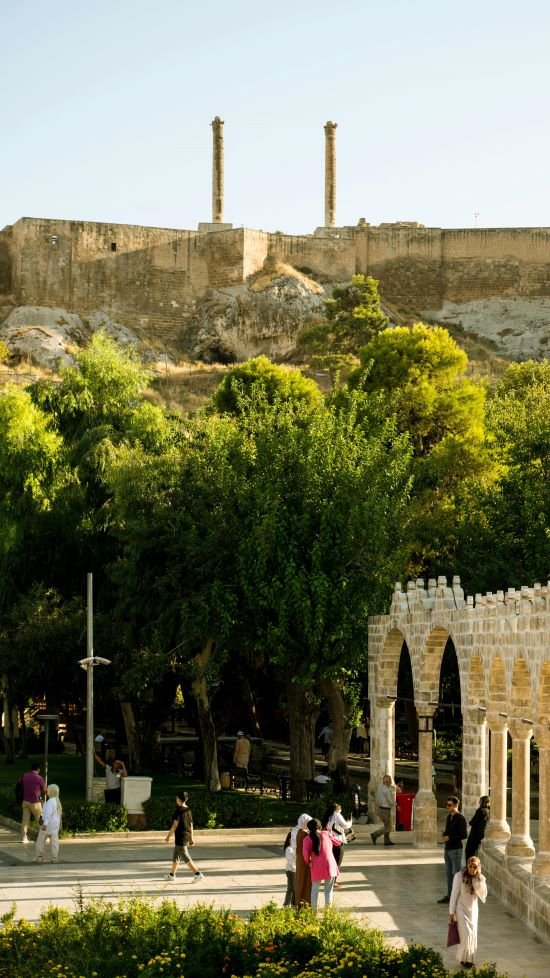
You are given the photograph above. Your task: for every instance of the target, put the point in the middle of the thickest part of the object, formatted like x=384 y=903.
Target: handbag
x=453 y=937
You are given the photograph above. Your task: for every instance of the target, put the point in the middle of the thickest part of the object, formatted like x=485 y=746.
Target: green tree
x=353 y=316
x=322 y=512
x=419 y=370
x=263 y=381
x=504 y=535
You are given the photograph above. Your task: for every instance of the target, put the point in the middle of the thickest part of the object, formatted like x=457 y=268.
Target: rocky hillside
x=263 y=316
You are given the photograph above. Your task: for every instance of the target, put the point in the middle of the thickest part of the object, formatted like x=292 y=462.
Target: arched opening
x=447 y=746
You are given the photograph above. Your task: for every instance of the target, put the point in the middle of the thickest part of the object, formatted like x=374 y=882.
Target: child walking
x=51 y=825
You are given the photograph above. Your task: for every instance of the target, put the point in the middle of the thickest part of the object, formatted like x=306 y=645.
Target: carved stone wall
x=502 y=644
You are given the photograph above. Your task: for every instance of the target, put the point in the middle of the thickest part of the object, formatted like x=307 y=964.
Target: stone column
x=498 y=829
x=330 y=174
x=382 y=757
x=474 y=766
x=520 y=842
x=425 y=803
x=217 y=170
x=541 y=865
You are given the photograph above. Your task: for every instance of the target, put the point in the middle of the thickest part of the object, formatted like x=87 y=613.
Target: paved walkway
x=394 y=889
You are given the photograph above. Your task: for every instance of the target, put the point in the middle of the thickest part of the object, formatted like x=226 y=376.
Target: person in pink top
x=317 y=851
x=33 y=786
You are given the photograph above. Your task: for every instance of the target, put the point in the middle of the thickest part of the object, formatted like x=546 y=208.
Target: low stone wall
x=512 y=880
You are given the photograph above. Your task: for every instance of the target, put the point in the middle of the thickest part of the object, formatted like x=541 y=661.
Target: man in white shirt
x=385 y=805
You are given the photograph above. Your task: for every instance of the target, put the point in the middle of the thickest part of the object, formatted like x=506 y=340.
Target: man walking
x=182 y=829
x=454 y=833
x=385 y=804
x=33 y=787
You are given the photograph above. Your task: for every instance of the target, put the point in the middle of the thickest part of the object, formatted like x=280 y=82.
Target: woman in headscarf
x=468 y=885
x=302 y=886
x=317 y=847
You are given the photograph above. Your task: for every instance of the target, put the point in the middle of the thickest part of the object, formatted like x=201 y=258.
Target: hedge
x=137 y=938
x=77 y=818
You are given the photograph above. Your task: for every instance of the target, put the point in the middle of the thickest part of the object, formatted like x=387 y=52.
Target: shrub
x=139 y=938
x=96 y=817
x=223 y=810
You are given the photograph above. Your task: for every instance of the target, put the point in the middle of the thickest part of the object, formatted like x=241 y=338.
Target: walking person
x=469 y=885
x=113 y=773
x=290 y=868
x=317 y=852
x=34 y=787
x=478 y=824
x=454 y=833
x=50 y=825
x=337 y=825
x=325 y=739
x=302 y=881
x=182 y=830
x=384 y=800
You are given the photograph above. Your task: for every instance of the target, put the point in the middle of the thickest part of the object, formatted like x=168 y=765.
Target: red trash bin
x=404 y=813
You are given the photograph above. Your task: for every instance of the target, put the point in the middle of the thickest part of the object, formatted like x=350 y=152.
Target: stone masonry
x=502 y=644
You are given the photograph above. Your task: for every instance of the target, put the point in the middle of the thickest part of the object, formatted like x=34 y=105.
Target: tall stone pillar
x=425 y=803
x=541 y=865
x=520 y=842
x=330 y=174
x=474 y=759
x=217 y=170
x=498 y=829
x=382 y=756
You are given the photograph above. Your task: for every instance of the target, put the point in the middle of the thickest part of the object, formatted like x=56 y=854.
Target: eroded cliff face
x=518 y=326
x=262 y=316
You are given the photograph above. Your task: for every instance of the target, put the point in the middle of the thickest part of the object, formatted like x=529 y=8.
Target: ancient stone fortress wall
x=141 y=276
x=502 y=643
x=153 y=276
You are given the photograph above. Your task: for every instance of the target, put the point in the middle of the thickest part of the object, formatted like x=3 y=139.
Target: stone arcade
x=502 y=644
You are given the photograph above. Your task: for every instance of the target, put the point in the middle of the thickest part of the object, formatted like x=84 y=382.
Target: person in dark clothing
x=478 y=824
x=454 y=833
x=182 y=830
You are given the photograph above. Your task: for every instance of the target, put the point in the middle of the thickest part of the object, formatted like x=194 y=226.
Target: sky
x=442 y=111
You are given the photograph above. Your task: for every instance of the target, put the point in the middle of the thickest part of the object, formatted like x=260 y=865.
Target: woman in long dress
x=302 y=884
x=469 y=885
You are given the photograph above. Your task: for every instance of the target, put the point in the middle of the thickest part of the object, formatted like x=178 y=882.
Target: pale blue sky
x=442 y=110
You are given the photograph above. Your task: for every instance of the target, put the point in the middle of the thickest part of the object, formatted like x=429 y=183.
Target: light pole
x=88 y=664
x=45 y=719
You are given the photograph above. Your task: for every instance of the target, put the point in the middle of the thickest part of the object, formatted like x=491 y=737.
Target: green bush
x=140 y=938
x=231 y=810
x=95 y=817
x=76 y=818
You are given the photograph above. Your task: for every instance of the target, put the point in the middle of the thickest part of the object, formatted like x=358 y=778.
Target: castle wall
x=331 y=256
x=151 y=277
x=141 y=276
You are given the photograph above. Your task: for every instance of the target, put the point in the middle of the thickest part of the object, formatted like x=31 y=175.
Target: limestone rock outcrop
x=518 y=326
x=48 y=337
x=263 y=316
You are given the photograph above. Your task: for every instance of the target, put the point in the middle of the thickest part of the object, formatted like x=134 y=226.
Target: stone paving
x=394 y=889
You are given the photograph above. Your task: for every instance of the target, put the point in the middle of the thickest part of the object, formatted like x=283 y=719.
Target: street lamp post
x=45 y=719
x=88 y=664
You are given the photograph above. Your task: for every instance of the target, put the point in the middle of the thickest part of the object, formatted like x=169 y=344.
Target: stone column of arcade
x=382 y=756
x=425 y=803
x=541 y=865
x=498 y=829
x=474 y=765
x=520 y=842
